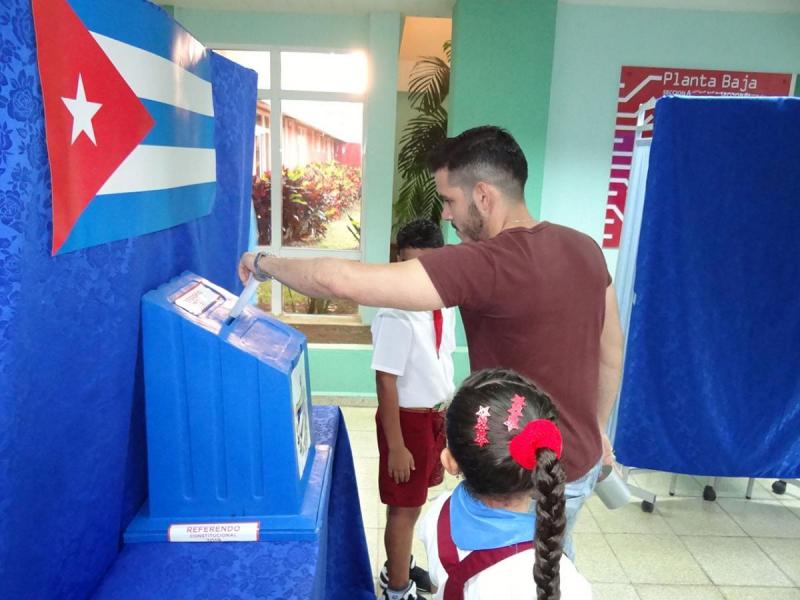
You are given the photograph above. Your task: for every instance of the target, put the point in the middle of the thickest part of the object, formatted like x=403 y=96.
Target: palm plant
x=429 y=85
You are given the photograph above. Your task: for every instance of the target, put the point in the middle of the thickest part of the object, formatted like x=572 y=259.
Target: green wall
x=344 y=369
x=300 y=30
x=502 y=63
x=592 y=43
x=379 y=140
x=505 y=82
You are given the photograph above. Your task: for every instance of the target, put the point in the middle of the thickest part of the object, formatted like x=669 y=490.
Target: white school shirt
x=509 y=579
x=404 y=344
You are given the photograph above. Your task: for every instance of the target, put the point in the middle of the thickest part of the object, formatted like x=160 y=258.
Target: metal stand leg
x=648 y=498
x=749 y=493
x=710 y=494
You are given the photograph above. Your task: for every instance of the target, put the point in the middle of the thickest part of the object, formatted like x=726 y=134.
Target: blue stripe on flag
x=119 y=216
x=178 y=127
x=155 y=31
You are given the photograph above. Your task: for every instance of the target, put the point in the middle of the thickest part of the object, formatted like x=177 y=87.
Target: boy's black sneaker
x=415 y=573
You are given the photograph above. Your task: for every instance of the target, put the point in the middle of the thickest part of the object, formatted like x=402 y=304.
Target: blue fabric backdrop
x=711 y=384
x=72 y=459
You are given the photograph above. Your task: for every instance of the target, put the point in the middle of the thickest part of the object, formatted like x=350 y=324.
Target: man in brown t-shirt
x=533 y=299
x=534 y=296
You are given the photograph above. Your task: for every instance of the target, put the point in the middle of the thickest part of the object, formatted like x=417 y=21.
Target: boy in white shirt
x=413 y=366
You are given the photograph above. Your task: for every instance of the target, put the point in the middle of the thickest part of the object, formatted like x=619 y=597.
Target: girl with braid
x=483 y=541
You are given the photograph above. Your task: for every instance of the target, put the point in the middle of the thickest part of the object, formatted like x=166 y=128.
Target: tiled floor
x=687 y=549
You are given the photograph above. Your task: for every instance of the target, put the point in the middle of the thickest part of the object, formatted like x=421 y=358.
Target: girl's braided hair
x=491 y=472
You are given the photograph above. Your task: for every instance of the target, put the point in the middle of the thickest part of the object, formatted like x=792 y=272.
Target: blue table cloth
x=334 y=566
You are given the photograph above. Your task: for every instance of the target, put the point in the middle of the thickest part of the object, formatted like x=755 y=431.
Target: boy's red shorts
x=424 y=436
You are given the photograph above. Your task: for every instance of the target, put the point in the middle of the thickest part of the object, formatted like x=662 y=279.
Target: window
x=309 y=128
x=324 y=72
x=321 y=174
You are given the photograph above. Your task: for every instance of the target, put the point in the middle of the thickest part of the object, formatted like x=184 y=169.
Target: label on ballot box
x=302 y=429
x=214 y=532
x=197 y=299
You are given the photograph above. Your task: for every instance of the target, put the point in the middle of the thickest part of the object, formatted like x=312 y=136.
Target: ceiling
x=444 y=8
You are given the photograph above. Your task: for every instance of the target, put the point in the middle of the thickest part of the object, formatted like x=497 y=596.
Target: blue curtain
x=712 y=372
x=72 y=457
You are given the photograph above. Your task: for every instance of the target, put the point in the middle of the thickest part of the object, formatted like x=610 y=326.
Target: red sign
x=642 y=85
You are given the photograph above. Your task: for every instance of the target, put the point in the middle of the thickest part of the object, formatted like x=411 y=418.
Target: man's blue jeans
x=577 y=493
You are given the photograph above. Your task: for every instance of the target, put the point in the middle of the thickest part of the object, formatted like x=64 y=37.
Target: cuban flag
x=129 y=119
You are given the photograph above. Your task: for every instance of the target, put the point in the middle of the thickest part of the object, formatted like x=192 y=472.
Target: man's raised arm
x=404 y=285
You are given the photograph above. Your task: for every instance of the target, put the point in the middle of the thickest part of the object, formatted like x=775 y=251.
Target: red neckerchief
x=437 y=328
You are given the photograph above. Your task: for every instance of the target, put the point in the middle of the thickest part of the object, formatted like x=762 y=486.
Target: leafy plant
x=429 y=86
x=314 y=195
x=354 y=227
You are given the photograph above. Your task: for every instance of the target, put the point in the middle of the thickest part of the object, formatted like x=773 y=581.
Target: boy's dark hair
x=420 y=234
x=485 y=153
x=490 y=471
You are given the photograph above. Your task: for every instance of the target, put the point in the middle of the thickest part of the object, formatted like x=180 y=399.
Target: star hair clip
x=515 y=412
x=482 y=426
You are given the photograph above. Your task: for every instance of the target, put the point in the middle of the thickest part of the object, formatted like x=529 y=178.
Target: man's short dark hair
x=420 y=234
x=485 y=153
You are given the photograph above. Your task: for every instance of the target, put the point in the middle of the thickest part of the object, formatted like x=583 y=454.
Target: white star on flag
x=82 y=113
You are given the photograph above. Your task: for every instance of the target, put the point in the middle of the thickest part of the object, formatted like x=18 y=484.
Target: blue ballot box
x=229 y=445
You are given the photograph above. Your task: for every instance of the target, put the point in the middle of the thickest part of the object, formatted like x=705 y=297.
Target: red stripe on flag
x=79 y=168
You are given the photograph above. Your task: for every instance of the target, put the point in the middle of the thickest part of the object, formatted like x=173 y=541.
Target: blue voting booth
x=229 y=443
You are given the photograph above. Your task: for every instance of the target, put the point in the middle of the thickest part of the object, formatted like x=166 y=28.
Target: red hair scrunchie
x=539 y=433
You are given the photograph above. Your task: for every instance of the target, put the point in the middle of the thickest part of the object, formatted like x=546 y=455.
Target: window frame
x=275 y=96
